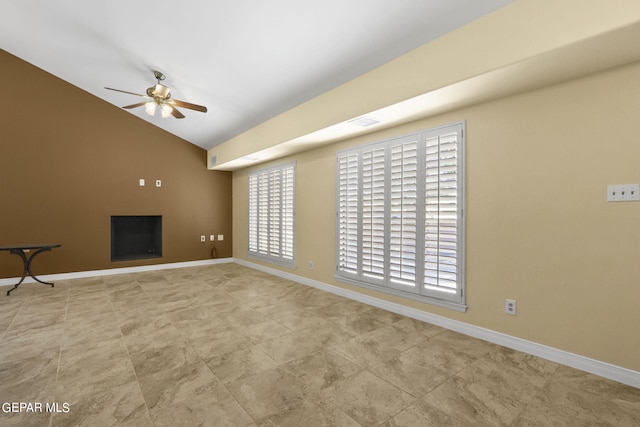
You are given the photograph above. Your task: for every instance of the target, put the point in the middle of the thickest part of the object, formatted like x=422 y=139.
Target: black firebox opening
x=136 y=237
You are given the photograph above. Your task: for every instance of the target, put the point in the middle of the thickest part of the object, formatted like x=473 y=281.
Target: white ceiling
x=246 y=60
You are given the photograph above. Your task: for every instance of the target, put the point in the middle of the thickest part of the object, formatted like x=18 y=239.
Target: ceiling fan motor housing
x=159 y=91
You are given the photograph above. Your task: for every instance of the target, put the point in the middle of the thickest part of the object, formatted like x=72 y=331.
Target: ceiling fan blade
x=124 y=91
x=139 y=104
x=177 y=114
x=189 y=105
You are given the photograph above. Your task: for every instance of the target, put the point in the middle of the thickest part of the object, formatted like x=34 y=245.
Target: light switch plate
x=141 y=182
x=623 y=193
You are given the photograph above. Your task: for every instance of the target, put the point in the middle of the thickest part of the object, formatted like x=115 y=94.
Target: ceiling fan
x=158 y=97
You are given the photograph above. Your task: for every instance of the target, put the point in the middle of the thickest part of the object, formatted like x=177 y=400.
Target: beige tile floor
x=225 y=345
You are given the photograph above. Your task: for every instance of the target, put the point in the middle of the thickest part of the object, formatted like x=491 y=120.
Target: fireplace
x=136 y=237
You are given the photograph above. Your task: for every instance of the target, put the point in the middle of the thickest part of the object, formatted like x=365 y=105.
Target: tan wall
x=68 y=161
x=539 y=229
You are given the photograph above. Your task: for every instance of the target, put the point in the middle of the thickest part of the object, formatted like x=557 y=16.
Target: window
x=272 y=214
x=400 y=224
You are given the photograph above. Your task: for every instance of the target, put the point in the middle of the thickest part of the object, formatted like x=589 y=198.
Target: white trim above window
x=400 y=224
x=272 y=214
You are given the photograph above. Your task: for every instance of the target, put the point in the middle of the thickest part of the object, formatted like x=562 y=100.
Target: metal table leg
x=27 y=266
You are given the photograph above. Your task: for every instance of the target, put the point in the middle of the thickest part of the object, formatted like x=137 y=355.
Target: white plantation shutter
x=253 y=213
x=272 y=214
x=263 y=214
x=347 y=170
x=373 y=213
x=288 y=212
x=403 y=215
x=399 y=207
x=441 y=213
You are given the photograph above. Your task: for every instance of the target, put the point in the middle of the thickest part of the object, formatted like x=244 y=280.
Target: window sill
x=283 y=263
x=421 y=298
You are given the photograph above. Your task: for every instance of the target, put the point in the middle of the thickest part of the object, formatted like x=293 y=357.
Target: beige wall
x=68 y=161
x=539 y=229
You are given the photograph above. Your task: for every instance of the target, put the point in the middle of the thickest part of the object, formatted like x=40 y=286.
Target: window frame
x=279 y=247
x=411 y=233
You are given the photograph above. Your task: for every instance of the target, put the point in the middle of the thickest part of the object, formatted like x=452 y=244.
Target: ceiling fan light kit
x=159 y=95
x=151 y=108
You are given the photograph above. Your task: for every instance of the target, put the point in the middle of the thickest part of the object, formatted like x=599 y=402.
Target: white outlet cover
x=510 y=307
x=202 y=238
x=141 y=182
x=158 y=183
x=623 y=193
x=212 y=238
x=220 y=237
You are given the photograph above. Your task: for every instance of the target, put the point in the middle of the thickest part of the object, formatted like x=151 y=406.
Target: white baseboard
x=596 y=367
x=110 y=271
x=586 y=364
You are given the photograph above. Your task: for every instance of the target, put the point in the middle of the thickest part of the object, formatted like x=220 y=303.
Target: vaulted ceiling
x=246 y=60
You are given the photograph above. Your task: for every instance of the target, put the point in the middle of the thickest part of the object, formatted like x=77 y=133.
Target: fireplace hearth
x=136 y=237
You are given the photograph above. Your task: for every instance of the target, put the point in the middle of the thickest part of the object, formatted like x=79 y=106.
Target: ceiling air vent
x=364 y=121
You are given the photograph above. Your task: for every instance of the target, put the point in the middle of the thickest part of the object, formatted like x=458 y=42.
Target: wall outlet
x=212 y=238
x=203 y=238
x=141 y=182
x=510 y=307
x=158 y=183
x=310 y=265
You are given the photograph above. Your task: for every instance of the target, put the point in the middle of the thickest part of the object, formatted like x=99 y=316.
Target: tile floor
x=225 y=345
